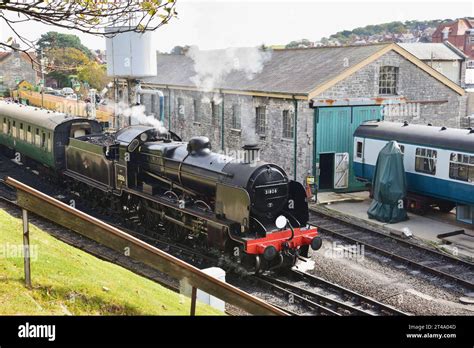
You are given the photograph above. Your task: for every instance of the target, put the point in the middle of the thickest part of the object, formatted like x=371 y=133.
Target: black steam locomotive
x=196 y=196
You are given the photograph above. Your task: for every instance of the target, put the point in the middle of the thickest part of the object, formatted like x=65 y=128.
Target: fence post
x=26 y=248
x=193 y=301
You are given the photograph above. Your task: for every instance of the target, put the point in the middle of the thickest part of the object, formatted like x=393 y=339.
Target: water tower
x=130 y=56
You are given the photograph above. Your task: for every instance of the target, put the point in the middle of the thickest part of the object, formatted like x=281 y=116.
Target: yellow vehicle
x=70 y=106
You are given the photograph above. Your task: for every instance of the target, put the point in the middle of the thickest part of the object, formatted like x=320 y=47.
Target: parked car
x=67 y=91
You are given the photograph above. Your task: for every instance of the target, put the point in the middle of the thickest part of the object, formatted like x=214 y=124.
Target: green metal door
x=360 y=114
x=334 y=129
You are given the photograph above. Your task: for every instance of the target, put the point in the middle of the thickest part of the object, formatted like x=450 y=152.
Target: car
x=71 y=96
x=67 y=91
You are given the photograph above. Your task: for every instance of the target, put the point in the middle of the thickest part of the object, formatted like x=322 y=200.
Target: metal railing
x=31 y=200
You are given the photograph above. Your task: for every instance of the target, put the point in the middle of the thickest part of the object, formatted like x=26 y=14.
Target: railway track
x=339 y=299
x=422 y=258
x=300 y=293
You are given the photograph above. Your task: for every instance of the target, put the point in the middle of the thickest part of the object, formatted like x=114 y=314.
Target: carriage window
x=425 y=161
x=359 y=149
x=28 y=135
x=49 y=142
x=461 y=167
x=14 y=129
x=402 y=148
x=43 y=140
x=5 y=129
x=37 y=137
x=22 y=132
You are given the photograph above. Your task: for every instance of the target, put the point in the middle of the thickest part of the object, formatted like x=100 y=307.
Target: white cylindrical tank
x=130 y=54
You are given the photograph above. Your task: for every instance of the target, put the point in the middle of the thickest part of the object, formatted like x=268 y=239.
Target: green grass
x=68 y=281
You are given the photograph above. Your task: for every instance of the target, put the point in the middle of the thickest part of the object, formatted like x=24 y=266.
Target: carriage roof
x=432 y=136
x=36 y=116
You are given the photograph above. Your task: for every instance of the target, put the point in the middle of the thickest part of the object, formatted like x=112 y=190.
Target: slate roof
x=428 y=51
x=289 y=71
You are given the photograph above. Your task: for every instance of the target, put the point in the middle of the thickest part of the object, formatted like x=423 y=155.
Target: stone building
x=304 y=105
x=16 y=66
x=443 y=57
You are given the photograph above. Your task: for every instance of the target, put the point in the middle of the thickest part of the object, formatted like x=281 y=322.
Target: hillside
x=408 y=31
x=68 y=281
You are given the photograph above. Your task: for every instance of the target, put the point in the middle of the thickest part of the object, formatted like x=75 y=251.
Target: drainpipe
x=295 y=142
x=169 y=108
x=222 y=121
x=157 y=92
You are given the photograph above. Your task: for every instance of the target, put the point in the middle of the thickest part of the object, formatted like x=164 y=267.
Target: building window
x=359 y=149
x=215 y=113
x=197 y=110
x=425 y=161
x=402 y=148
x=470 y=64
x=236 y=116
x=261 y=121
x=461 y=167
x=388 y=80
x=288 y=124
x=181 y=108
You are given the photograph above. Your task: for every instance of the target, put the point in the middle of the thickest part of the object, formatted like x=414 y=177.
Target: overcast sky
x=225 y=23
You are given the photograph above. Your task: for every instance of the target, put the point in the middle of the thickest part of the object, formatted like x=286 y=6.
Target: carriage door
x=341 y=170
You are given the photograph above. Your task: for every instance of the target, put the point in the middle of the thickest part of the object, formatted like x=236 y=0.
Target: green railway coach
x=41 y=134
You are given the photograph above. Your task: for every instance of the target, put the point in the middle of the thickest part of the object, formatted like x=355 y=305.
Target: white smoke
x=212 y=67
x=137 y=115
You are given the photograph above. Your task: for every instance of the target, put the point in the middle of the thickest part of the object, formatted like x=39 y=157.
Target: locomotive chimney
x=251 y=153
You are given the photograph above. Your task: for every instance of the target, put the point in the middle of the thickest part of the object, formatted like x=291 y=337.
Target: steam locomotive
x=246 y=211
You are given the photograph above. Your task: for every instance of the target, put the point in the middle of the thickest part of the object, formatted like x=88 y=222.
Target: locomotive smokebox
x=251 y=153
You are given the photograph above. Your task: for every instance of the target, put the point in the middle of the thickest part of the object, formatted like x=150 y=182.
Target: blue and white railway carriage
x=439 y=162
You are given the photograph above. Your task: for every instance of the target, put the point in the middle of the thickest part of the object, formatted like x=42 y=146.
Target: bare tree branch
x=90 y=17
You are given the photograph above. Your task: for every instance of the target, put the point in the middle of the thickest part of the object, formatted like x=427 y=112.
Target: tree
x=53 y=39
x=177 y=50
x=87 y=16
x=64 y=62
x=94 y=74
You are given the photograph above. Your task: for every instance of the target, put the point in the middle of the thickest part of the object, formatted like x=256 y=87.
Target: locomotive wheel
x=130 y=206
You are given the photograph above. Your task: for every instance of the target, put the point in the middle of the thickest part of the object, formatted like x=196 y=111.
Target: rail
x=31 y=200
